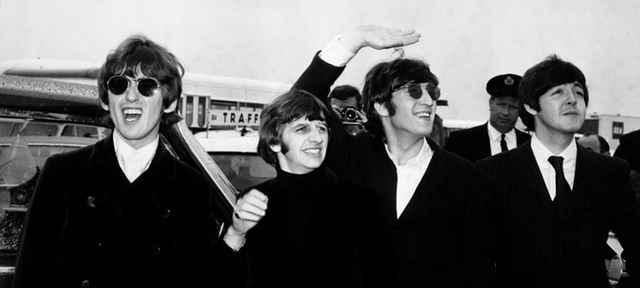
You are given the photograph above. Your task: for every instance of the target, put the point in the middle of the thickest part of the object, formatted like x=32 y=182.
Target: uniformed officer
x=497 y=135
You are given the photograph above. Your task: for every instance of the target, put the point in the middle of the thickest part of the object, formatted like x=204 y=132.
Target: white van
x=235 y=152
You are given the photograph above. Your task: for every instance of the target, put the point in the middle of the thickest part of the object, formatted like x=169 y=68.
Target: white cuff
x=335 y=54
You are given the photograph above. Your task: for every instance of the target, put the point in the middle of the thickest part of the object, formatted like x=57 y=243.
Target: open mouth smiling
x=132 y=114
x=312 y=150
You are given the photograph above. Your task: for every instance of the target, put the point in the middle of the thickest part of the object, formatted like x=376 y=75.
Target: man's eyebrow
x=301 y=125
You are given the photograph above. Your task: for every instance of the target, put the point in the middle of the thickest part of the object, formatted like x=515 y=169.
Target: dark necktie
x=562 y=186
x=503 y=144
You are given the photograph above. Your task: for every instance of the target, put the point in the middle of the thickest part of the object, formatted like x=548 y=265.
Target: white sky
x=466 y=41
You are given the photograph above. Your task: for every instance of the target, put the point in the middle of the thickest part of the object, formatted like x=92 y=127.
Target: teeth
x=312 y=151
x=423 y=114
x=132 y=111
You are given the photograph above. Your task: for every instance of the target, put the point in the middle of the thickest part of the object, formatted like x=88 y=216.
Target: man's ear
x=530 y=110
x=275 y=148
x=104 y=106
x=172 y=106
x=381 y=109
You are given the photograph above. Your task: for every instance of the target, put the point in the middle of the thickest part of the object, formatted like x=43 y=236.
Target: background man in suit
x=499 y=134
x=123 y=212
x=629 y=149
x=553 y=202
x=426 y=189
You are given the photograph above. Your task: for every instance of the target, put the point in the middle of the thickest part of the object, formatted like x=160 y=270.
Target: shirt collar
x=542 y=154
x=420 y=160
x=133 y=161
x=494 y=134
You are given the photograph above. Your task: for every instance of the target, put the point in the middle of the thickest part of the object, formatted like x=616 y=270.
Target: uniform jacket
x=87 y=225
x=539 y=247
x=474 y=143
x=345 y=241
x=429 y=235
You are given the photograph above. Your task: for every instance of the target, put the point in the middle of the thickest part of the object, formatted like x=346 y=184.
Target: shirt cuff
x=335 y=54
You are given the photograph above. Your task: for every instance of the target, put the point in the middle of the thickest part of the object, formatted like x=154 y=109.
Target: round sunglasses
x=415 y=90
x=120 y=84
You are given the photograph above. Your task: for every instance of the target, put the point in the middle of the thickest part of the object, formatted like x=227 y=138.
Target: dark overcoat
x=87 y=226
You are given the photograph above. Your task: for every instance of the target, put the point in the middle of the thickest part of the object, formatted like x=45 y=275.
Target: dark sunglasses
x=415 y=90
x=120 y=84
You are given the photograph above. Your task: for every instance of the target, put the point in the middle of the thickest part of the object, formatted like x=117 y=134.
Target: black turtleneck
x=297 y=193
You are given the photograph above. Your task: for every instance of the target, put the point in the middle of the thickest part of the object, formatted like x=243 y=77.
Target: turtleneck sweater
x=297 y=192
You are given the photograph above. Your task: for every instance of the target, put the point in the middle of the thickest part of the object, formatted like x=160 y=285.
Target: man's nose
x=132 y=94
x=571 y=96
x=426 y=98
x=315 y=136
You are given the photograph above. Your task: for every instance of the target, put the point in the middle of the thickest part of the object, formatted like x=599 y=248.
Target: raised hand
x=378 y=38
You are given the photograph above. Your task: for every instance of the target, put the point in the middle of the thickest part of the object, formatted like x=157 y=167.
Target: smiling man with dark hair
x=123 y=212
x=426 y=189
x=306 y=227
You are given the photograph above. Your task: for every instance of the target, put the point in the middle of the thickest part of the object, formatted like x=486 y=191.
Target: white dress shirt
x=133 y=162
x=495 y=136
x=542 y=155
x=409 y=175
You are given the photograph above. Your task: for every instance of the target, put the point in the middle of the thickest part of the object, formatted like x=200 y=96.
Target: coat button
x=155 y=250
x=97 y=245
x=85 y=283
x=90 y=200
x=165 y=213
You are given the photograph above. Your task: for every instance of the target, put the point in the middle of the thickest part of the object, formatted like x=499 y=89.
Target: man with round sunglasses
x=426 y=189
x=122 y=212
x=499 y=133
x=118 y=84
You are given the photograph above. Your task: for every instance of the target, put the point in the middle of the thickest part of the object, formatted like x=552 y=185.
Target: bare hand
x=248 y=211
x=363 y=116
x=338 y=110
x=378 y=38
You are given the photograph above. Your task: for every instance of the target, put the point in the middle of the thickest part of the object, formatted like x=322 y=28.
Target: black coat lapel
x=382 y=162
x=586 y=164
x=437 y=171
x=524 y=163
x=484 y=144
x=107 y=175
x=521 y=137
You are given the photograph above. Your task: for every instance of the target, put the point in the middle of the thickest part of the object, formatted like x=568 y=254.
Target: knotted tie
x=503 y=144
x=562 y=186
